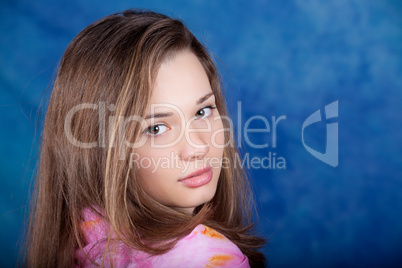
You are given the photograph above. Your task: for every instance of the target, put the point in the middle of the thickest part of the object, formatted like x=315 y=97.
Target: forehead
x=181 y=79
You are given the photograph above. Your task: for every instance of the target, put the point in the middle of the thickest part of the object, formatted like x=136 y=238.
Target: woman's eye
x=156 y=129
x=204 y=112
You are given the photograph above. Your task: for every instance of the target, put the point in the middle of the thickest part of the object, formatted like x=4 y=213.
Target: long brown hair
x=114 y=62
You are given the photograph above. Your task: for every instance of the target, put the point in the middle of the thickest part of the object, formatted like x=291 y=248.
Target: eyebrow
x=201 y=100
x=160 y=115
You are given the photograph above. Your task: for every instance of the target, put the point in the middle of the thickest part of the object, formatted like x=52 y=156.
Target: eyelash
x=147 y=130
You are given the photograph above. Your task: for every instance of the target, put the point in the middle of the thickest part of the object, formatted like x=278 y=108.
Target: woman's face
x=183 y=136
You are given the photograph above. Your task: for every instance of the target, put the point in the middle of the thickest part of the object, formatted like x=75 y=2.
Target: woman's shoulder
x=203 y=247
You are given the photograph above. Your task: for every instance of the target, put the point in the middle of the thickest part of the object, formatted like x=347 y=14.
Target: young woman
x=137 y=164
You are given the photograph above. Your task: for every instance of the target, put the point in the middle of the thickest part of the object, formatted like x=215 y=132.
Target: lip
x=198 y=178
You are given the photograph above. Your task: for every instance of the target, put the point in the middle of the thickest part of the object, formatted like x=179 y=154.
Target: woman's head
x=183 y=134
x=114 y=75
x=117 y=62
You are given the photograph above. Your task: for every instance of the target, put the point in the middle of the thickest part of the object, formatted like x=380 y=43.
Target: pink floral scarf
x=203 y=247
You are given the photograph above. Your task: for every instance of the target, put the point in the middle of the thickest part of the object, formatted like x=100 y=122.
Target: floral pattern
x=203 y=247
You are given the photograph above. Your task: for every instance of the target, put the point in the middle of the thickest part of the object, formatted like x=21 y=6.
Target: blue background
x=280 y=58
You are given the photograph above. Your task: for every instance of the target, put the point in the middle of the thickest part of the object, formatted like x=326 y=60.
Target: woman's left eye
x=204 y=112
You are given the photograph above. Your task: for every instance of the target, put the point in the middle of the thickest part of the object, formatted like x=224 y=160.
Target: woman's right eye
x=156 y=130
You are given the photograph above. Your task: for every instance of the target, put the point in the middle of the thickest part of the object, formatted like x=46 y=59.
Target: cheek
x=144 y=165
x=218 y=135
x=152 y=164
x=148 y=175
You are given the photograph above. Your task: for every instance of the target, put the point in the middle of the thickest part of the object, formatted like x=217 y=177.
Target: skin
x=187 y=137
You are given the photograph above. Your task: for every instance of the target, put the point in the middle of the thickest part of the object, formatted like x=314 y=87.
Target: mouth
x=198 y=178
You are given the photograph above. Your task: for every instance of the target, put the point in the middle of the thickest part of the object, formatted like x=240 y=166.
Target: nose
x=194 y=145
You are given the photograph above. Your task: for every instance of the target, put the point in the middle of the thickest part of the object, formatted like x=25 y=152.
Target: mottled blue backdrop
x=279 y=58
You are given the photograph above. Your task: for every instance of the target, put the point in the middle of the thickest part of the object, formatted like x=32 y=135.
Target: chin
x=200 y=196
x=207 y=195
